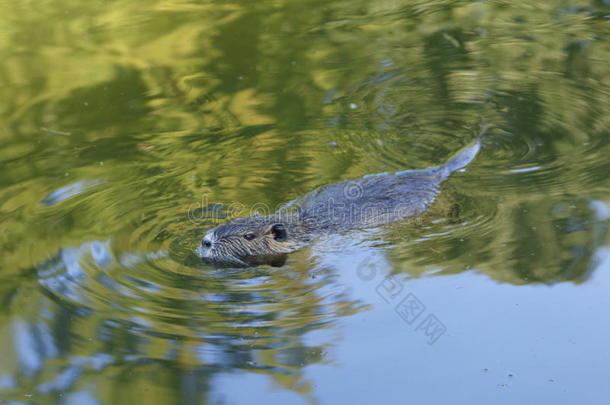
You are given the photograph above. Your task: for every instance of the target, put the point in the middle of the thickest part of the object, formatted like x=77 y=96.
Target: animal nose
x=206 y=244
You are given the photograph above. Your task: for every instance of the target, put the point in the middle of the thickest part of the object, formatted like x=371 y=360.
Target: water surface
x=129 y=128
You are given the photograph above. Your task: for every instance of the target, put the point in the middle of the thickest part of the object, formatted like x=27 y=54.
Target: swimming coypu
x=362 y=203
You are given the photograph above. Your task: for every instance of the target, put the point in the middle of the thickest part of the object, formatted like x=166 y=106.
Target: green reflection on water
x=120 y=120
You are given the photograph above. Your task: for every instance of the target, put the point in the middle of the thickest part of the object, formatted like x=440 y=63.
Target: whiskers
x=222 y=253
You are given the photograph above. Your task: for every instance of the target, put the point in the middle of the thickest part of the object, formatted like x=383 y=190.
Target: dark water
x=129 y=128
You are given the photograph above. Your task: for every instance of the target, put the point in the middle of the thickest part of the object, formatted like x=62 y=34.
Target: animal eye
x=249 y=236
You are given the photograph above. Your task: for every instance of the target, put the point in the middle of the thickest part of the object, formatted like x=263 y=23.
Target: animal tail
x=467 y=154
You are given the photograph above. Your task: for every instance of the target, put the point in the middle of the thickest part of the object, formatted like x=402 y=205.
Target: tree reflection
x=87 y=324
x=117 y=117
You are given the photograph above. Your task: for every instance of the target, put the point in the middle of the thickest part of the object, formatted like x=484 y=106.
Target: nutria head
x=247 y=241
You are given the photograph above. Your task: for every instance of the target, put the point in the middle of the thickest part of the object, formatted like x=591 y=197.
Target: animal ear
x=279 y=232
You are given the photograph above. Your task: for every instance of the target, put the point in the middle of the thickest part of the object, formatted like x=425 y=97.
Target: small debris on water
x=55 y=132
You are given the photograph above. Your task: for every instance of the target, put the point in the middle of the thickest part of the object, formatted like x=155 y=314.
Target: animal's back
x=372 y=201
x=380 y=199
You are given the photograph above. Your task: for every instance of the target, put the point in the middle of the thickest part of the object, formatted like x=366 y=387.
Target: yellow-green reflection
x=119 y=120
